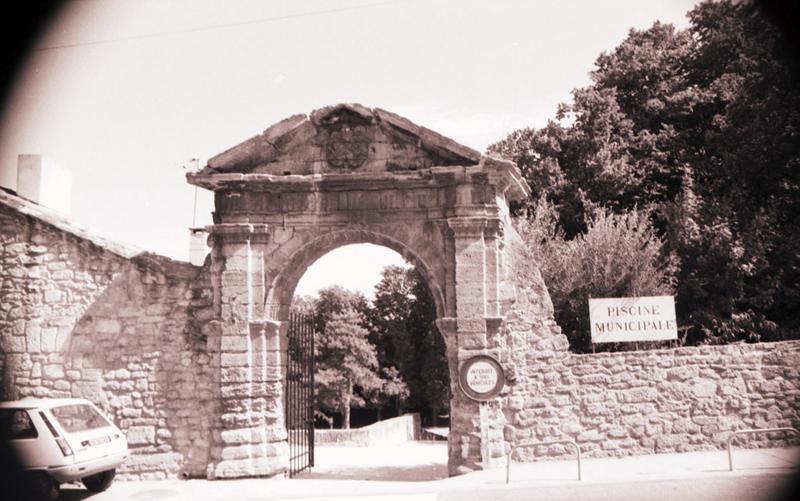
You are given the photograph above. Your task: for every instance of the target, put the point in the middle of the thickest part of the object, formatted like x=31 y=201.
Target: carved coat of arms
x=347 y=148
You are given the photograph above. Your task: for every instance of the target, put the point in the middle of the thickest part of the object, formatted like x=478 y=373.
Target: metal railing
x=750 y=431
x=532 y=444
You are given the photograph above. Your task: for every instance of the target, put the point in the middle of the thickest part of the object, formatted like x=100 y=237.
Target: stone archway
x=348 y=174
x=319 y=242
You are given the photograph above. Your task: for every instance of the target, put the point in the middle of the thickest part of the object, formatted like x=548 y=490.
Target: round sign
x=481 y=377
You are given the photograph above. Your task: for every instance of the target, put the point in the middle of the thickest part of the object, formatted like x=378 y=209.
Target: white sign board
x=624 y=319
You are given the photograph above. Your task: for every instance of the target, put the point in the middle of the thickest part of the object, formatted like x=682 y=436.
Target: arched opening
x=348 y=174
x=289 y=270
x=381 y=379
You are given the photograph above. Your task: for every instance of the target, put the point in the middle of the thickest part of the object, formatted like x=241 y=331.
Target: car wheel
x=40 y=485
x=99 y=481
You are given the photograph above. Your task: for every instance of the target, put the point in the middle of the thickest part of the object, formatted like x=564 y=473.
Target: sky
x=125 y=92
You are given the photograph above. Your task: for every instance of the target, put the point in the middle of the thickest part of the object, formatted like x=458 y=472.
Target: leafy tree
x=402 y=324
x=618 y=256
x=348 y=375
x=387 y=355
x=346 y=362
x=388 y=314
x=699 y=129
x=335 y=300
x=750 y=173
x=391 y=390
x=303 y=305
x=431 y=351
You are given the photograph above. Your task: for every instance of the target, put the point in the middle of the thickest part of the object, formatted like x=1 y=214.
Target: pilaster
x=251 y=440
x=492 y=242
x=470 y=279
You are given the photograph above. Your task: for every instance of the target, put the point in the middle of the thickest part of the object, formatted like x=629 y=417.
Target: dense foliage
x=386 y=355
x=347 y=372
x=699 y=129
x=401 y=322
x=619 y=255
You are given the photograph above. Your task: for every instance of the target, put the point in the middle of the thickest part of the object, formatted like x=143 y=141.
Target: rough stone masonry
x=190 y=361
x=83 y=317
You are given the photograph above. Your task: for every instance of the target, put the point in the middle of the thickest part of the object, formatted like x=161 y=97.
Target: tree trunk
x=346 y=404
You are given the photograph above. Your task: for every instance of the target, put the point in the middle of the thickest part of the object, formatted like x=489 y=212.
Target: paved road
x=761 y=487
x=395 y=474
x=744 y=488
x=413 y=461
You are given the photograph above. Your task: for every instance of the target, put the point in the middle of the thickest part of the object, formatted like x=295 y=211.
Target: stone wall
x=82 y=317
x=141 y=336
x=629 y=403
x=668 y=400
x=392 y=431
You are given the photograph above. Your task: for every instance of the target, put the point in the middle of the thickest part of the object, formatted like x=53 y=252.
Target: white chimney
x=197 y=246
x=44 y=182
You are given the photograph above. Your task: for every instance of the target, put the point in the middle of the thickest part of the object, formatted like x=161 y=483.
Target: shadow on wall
x=140 y=353
x=128 y=333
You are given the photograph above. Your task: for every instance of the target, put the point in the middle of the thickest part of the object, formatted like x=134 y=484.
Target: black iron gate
x=300 y=393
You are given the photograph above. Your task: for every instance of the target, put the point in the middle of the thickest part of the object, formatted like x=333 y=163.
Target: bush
x=620 y=255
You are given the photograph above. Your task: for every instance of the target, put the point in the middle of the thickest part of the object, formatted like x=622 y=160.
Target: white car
x=60 y=440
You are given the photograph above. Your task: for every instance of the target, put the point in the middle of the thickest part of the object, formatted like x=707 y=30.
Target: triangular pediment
x=342 y=138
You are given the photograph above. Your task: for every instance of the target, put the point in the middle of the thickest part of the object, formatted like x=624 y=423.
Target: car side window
x=16 y=424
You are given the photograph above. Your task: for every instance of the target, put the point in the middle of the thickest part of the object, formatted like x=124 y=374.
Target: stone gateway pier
x=343 y=175
x=191 y=361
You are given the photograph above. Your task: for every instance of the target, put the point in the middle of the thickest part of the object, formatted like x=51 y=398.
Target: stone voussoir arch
x=350 y=174
x=419 y=253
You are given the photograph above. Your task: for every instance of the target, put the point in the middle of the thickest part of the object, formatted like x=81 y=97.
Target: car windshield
x=78 y=417
x=16 y=424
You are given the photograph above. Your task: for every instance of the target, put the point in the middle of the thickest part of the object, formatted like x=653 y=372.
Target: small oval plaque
x=481 y=377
